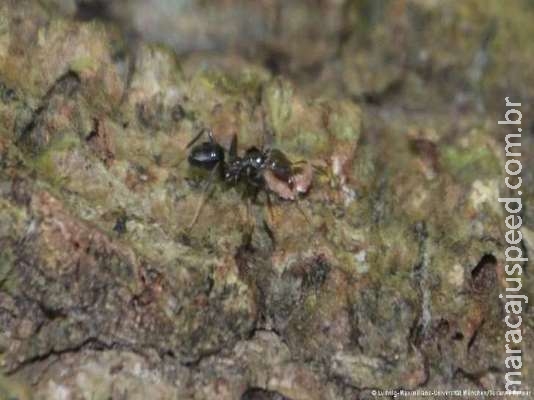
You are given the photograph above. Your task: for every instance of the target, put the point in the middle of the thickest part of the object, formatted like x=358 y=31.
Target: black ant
x=251 y=169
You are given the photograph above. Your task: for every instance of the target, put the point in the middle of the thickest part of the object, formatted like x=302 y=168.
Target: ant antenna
x=207 y=131
x=193 y=141
x=267 y=134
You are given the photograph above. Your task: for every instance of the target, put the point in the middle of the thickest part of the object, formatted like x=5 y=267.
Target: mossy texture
x=366 y=282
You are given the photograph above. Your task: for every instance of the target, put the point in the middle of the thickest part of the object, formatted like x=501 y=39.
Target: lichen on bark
x=384 y=275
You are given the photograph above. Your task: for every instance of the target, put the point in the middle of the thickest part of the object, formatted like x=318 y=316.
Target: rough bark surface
x=385 y=275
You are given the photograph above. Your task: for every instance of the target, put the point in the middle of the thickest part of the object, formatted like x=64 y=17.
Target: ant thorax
x=233 y=171
x=248 y=168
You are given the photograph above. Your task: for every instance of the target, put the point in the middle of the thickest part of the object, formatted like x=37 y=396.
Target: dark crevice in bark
x=90 y=342
x=68 y=85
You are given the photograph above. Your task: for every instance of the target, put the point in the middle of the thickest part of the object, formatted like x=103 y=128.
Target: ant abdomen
x=206 y=155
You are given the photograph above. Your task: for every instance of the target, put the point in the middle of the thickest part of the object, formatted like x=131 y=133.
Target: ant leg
x=194 y=140
x=269 y=206
x=249 y=223
x=323 y=171
x=199 y=135
x=317 y=168
x=320 y=170
x=267 y=134
x=297 y=204
x=270 y=233
x=203 y=196
x=249 y=218
x=232 y=153
x=270 y=222
x=210 y=136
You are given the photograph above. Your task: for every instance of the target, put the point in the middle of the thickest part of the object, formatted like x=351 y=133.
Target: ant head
x=255 y=158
